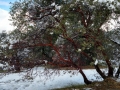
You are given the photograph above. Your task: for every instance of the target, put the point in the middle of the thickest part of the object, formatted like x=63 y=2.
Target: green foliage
x=38 y=22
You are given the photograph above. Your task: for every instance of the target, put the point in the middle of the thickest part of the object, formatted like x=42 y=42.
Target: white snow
x=53 y=4
x=46 y=62
x=96 y=62
x=79 y=50
x=44 y=81
x=1 y=65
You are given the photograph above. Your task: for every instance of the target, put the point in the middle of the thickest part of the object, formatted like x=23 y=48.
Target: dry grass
x=108 y=84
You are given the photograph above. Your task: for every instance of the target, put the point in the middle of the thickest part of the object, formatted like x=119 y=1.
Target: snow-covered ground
x=42 y=79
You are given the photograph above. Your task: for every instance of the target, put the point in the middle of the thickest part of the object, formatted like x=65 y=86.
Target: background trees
x=66 y=33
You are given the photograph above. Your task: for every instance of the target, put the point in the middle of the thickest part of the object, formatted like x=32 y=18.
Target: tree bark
x=110 y=69
x=85 y=78
x=86 y=81
x=100 y=72
x=17 y=66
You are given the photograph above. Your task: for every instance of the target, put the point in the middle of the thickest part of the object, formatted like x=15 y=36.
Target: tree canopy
x=65 y=32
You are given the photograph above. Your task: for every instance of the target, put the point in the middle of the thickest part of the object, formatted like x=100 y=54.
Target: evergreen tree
x=67 y=32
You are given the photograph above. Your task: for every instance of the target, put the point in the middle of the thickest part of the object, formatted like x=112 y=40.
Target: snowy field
x=42 y=79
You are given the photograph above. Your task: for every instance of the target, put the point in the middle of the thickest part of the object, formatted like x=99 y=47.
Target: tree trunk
x=86 y=81
x=110 y=69
x=100 y=72
x=17 y=66
x=85 y=78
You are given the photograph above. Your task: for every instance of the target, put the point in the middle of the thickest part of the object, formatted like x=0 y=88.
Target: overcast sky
x=4 y=15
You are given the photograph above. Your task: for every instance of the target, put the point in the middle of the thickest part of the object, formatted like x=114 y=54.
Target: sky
x=5 y=24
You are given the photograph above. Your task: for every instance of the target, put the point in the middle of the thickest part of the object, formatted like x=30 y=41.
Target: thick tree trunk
x=100 y=72
x=85 y=78
x=110 y=69
x=86 y=81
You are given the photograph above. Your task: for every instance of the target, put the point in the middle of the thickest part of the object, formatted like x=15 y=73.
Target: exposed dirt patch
x=107 y=84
